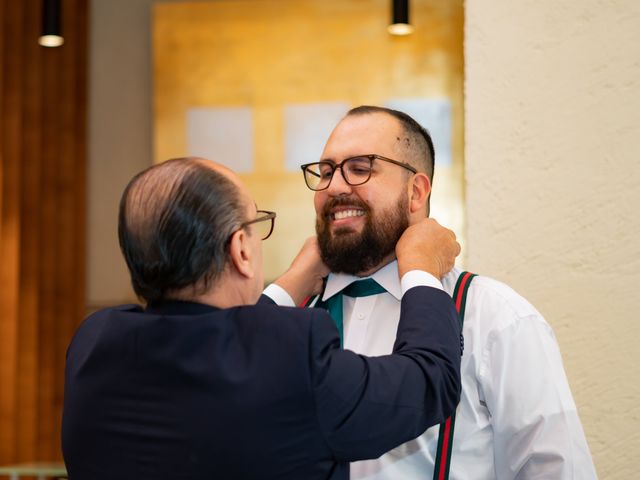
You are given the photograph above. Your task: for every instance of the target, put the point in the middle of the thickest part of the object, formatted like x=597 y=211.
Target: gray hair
x=174 y=226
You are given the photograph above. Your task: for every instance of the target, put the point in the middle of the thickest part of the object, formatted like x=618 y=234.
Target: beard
x=347 y=251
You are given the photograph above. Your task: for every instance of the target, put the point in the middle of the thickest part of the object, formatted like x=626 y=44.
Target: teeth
x=348 y=213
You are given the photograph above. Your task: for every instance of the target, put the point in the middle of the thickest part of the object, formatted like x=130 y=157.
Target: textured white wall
x=552 y=171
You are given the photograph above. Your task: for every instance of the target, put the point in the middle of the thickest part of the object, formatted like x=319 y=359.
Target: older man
x=517 y=417
x=202 y=383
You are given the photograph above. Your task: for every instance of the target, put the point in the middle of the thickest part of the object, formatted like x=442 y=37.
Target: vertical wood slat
x=42 y=224
x=28 y=377
x=9 y=217
x=52 y=89
x=73 y=243
x=2 y=17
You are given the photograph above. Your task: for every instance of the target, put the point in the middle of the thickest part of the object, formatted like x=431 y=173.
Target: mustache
x=344 y=202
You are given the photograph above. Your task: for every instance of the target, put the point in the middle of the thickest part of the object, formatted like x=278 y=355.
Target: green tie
x=333 y=304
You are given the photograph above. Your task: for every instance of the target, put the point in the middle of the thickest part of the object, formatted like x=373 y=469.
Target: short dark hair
x=174 y=225
x=419 y=139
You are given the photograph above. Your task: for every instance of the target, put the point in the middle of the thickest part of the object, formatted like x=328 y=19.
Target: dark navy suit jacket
x=189 y=391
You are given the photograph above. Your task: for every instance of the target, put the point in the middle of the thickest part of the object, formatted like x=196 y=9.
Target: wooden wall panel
x=42 y=227
x=9 y=243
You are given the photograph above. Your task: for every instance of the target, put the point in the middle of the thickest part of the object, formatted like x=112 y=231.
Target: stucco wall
x=552 y=172
x=120 y=145
x=119 y=134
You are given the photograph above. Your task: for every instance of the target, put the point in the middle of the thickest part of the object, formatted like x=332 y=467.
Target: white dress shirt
x=516 y=419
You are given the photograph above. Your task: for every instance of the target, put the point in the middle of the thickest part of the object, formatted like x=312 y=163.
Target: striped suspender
x=445 y=436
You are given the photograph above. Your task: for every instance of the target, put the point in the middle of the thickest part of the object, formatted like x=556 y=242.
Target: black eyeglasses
x=263 y=228
x=354 y=170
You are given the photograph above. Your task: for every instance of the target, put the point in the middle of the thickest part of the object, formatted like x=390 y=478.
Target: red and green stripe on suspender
x=445 y=435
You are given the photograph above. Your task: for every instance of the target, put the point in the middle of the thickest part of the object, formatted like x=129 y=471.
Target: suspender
x=445 y=435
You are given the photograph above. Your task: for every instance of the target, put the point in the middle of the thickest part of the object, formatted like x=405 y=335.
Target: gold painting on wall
x=258 y=84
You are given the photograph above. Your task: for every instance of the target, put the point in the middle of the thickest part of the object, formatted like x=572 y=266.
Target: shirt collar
x=387 y=277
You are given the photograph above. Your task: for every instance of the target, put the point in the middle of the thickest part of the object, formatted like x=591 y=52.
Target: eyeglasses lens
x=263 y=229
x=356 y=171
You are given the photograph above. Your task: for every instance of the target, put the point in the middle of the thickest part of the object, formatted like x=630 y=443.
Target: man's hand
x=304 y=276
x=427 y=246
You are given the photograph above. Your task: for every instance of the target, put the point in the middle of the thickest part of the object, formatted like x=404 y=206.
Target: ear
x=240 y=254
x=420 y=189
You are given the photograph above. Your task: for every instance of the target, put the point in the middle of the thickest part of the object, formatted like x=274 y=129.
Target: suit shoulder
x=104 y=313
x=90 y=328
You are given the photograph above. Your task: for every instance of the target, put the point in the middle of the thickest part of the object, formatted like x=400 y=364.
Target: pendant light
x=400 y=18
x=51 y=32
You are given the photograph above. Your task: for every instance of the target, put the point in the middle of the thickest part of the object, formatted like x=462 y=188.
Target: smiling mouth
x=342 y=214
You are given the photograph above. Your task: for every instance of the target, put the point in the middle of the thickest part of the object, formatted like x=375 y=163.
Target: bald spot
x=154 y=189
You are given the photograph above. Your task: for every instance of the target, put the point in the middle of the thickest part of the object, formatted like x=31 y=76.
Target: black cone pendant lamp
x=51 y=31
x=400 y=18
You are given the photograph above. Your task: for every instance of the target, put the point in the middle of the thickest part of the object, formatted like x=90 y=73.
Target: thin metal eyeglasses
x=354 y=170
x=263 y=229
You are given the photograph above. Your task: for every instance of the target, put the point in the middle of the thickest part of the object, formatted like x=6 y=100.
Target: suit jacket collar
x=177 y=307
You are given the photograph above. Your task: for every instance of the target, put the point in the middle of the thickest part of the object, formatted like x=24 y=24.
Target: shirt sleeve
x=279 y=295
x=415 y=278
x=537 y=431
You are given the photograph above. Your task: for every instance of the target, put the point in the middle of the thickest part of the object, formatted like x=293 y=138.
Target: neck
x=225 y=293
x=385 y=261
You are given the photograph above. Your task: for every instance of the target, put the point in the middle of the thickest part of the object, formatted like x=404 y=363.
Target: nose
x=338 y=185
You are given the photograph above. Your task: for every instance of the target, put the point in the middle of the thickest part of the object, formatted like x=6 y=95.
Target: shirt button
x=360 y=316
